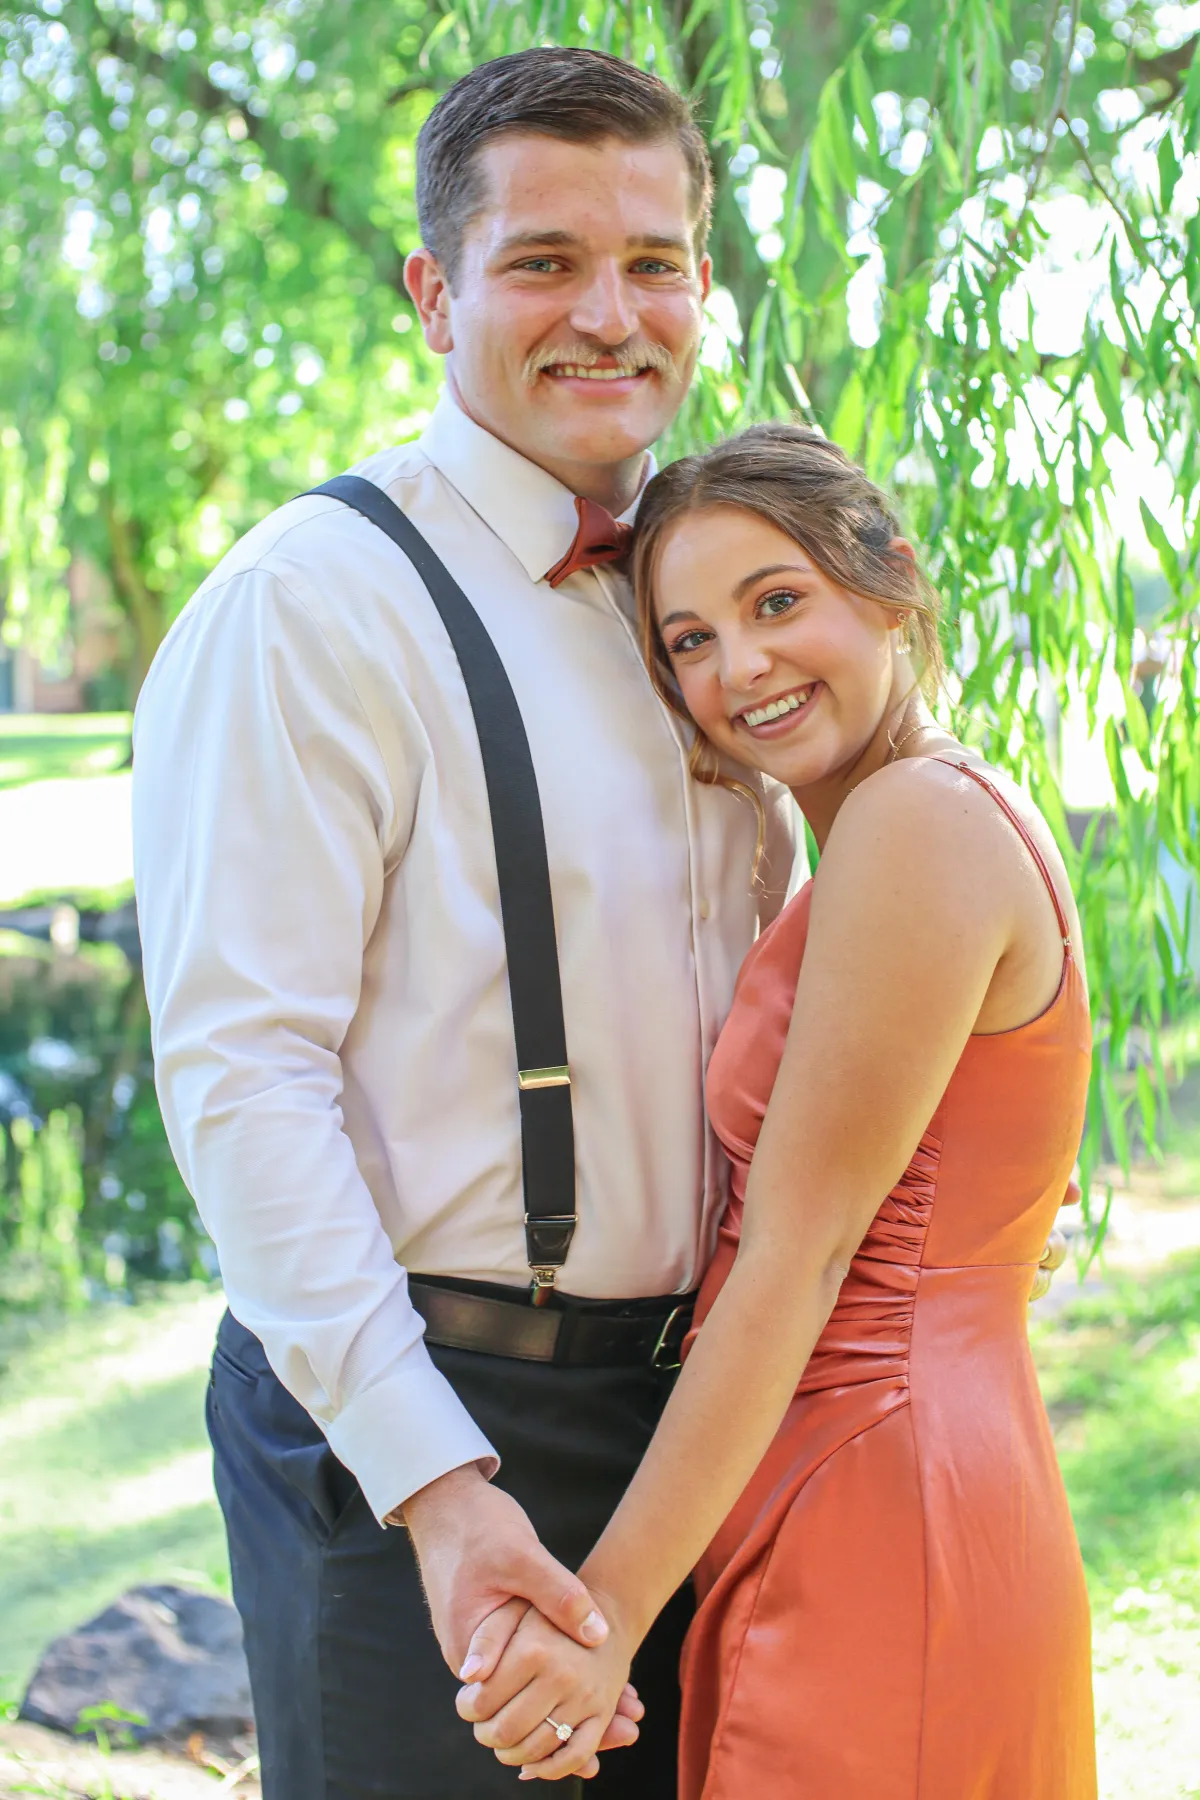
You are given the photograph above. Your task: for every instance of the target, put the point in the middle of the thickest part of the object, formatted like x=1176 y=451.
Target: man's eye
x=540 y=265
x=690 y=640
x=781 y=601
x=650 y=265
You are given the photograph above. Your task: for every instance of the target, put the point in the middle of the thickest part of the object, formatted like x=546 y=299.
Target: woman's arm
x=912 y=910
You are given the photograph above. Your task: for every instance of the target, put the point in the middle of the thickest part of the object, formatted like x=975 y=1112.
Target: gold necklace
x=898 y=743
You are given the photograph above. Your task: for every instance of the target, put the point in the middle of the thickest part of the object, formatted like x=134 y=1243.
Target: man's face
x=575 y=317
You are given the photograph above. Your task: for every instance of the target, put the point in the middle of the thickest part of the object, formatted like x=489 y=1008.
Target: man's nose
x=605 y=309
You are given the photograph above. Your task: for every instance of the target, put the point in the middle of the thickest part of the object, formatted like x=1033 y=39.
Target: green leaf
x=1106 y=380
x=846 y=427
x=1168 y=170
x=1114 y=1109
x=832 y=150
x=699 y=11
x=864 y=111
x=1148 y=1106
x=1162 y=544
x=445 y=25
x=1191 y=101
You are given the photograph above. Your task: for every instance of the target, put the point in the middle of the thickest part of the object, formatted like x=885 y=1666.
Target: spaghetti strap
x=1019 y=826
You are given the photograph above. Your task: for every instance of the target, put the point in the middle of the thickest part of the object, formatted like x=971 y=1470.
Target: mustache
x=630 y=359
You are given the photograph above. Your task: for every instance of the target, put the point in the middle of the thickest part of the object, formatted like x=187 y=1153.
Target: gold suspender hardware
x=544 y=1078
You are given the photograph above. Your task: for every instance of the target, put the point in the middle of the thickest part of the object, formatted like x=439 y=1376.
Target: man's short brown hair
x=581 y=96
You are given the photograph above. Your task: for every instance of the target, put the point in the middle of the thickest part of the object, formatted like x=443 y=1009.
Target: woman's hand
x=543 y=1675
x=492 y=1639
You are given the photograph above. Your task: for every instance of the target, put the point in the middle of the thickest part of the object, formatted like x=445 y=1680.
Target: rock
x=170 y=1656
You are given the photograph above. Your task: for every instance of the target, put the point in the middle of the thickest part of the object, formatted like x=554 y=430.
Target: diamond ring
x=564 y=1733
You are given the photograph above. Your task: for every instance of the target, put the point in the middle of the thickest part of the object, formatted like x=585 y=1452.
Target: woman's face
x=781 y=668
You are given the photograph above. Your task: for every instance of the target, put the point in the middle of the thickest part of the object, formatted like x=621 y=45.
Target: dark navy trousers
x=352 y=1698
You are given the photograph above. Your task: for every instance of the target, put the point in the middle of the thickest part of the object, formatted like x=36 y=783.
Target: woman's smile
x=777 y=717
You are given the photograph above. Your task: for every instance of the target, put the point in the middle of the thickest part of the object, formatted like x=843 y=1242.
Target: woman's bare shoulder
x=924 y=837
x=932 y=796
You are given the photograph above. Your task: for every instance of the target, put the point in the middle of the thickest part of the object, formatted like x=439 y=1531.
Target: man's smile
x=581 y=372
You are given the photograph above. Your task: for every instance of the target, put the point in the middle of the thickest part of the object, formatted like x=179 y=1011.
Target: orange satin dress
x=896 y=1609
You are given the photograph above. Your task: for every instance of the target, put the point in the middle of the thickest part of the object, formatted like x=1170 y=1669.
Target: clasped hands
x=523 y=1672
x=523 y=1632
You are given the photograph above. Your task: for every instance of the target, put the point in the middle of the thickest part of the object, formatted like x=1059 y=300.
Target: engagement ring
x=564 y=1733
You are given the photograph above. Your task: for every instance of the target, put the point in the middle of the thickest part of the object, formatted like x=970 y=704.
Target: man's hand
x=477 y=1550
x=1055 y=1254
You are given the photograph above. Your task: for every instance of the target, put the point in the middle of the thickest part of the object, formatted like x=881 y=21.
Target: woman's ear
x=899 y=546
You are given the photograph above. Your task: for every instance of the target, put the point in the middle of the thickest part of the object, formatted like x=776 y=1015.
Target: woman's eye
x=690 y=640
x=781 y=601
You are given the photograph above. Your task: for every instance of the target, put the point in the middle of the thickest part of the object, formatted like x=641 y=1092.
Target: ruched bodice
x=895 y=1608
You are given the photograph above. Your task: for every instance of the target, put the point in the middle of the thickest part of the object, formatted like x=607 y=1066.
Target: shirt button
x=705 y=909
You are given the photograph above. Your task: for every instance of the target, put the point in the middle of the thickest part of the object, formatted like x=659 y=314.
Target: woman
x=856 y=1459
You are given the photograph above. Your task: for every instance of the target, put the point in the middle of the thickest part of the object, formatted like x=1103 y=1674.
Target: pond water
x=91 y=1203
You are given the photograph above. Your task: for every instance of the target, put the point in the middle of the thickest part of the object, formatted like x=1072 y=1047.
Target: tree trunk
x=141 y=605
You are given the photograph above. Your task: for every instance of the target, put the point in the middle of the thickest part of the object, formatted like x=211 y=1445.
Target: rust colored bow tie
x=599 y=539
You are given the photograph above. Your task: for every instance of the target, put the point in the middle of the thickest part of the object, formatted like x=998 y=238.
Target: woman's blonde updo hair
x=796 y=480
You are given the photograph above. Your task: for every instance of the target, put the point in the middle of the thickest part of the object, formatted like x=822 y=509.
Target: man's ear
x=430 y=293
x=705 y=273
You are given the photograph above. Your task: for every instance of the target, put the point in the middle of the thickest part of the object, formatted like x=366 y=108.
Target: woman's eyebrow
x=748 y=581
x=745 y=583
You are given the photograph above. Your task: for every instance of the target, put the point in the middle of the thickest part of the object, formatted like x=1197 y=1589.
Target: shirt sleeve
x=784 y=865
x=263 y=815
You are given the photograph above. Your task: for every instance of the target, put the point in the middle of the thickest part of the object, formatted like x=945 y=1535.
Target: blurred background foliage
x=962 y=237
x=92 y=1203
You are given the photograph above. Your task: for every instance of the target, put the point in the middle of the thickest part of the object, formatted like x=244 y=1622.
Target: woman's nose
x=743 y=662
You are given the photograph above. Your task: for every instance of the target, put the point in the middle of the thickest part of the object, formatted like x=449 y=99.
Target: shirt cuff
x=403 y=1432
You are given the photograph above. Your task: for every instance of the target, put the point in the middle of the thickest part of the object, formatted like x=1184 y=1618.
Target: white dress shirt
x=324 y=957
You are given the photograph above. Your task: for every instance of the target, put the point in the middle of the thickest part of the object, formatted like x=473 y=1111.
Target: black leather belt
x=608 y=1334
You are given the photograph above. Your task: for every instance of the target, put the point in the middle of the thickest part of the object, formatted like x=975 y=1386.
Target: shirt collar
x=527 y=509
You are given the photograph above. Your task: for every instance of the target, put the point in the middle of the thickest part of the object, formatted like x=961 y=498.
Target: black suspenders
x=526 y=909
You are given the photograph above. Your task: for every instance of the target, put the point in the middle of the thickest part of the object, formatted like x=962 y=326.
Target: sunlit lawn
x=64 y=808
x=41 y=746
x=104 y=1465
x=1121 y=1375
x=104 y=1481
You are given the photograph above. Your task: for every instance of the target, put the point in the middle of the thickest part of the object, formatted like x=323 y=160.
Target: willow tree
x=204 y=207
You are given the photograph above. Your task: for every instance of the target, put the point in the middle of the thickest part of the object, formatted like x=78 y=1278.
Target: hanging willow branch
x=236 y=196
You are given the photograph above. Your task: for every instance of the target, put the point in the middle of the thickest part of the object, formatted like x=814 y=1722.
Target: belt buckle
x=662 y=1345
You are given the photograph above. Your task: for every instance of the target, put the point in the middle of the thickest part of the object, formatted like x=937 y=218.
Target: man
x=325 y=953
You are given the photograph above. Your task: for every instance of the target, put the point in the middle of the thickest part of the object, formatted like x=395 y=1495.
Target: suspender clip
x=547 y=1241
x=543 y=1286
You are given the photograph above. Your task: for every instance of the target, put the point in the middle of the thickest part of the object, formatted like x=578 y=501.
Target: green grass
x=104 y=1482
x=64 y=808
x=104 y=1465
x=39 y=746
x=1121 y=1376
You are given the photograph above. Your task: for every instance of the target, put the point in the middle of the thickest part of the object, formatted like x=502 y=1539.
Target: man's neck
x=612 y=485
